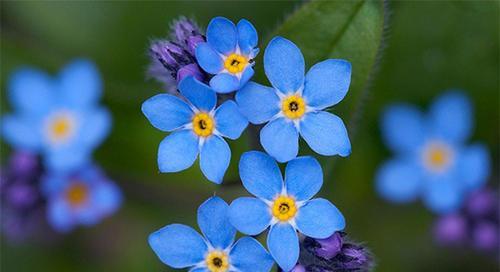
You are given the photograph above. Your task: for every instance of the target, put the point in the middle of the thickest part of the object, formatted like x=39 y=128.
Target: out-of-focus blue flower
x=83 y=197
x=180 y=246
x=284 y=206
x=295 y=104
x=432 y=159
x=197 y=127
x=228 y=53
x=57 y=117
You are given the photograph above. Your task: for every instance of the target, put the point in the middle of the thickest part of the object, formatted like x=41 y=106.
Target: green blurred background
x=429 y=47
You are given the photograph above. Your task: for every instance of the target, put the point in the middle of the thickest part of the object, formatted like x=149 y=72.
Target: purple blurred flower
x=173 y=60
x=450 y=229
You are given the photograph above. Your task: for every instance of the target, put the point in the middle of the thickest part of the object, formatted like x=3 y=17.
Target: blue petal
x=222 y=35
x=443 y=195
x=31 y=91
x=249 y=215
x=177 y=151
x=403 y=128
x=319 y=219
x=247 y=36
x=284 y=65
x=280 y=139
x=96 y=127
x=257 y=102
x=246 y=76
x=213 y=219
x=325 y=133
x=22 y=133
x=260 y=175
x=229 y=120
x=327 y=83
x=283 y=244
x=67 y=158
x=59 y=215
x=208 y=59
x=303 y=178
x=224 y=83
x=108 y=197
x=80 y=84
x=178 y=246
x=199 y=94
x=248 y=254
x=474 y=166
x=399 y=181
x=166 y=112
x=215 y=156
x=451 y=117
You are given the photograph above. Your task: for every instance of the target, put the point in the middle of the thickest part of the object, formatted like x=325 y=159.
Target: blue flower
x=295 y=103
x=197 y=127
x=180 y=246
x=432 y=160
x=82 y=197
x=285 y=207
x=228 y=53
x=58 y=117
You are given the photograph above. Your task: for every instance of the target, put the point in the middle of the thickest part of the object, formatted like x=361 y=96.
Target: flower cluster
x=284 y=206
x=60 y=120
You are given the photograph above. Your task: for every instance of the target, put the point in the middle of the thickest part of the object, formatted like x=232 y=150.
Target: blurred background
x=429 y=47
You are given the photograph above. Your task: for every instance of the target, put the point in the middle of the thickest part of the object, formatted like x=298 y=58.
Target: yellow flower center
x=437 y=156
x=235 y=63
x=293 y=106
x=284 y=208
x=203 y=124
x=217 y=261
x=77 y=194
x=60 y=128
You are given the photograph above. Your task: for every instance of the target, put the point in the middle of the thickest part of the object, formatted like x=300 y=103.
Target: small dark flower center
x=284 y=208
x=202 y=124
x=217 y=262
x=293 y=106
x=235 y=62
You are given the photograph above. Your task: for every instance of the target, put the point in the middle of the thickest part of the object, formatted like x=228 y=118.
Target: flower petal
x=280 y=139
x=224 y=83
x=474 y=166
x=199 y=94
x=327 y=83
x=443 y=195
x=325 y=133
x=399 y=181
x=31 y=91
x=303 y=178
x=248 y=254
x=260 y=175
x=403 y=128
x=177 y=151
x=67 y=158
x=222 y=35
x=257 y=102
x=246 y=76
x=166 y=112
x=451 y=116
x=178 y=246
x=21 y=133
x=108 y=197
x=208 y=59
x=213 y=219
x=283 y=244
x=215 y=156
x=247 y=36
x=319 y=218
x=80 y=84
x=59 y=215
x=249 y=215
x=97 y=124
x=284 y=65
x=229 y=120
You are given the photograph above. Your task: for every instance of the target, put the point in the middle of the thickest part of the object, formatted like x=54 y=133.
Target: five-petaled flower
x=82 y=197
x=284 y=206
x=431 y=157
x=59 y=118
x=197 y=127
x=180 y=246
x=228 y=53
x=296 y=102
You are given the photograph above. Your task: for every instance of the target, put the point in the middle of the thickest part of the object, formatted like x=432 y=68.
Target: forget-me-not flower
x=57 y=117
x=432 y=160
x=197 y=127
x=283 y=206
x=295 y=104
x=180 y=246
x=228 y=53
x=82 y=197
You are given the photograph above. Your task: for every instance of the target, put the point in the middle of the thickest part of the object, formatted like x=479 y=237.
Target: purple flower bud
x=356 y=257
x=21 y=195
x=23 y=163
x=485 y=236
x=299 y=268
x=184 y=28
x=481 y=203
x=190 y=70
x=192 y=42
x=450 y=229
x=330 y=246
